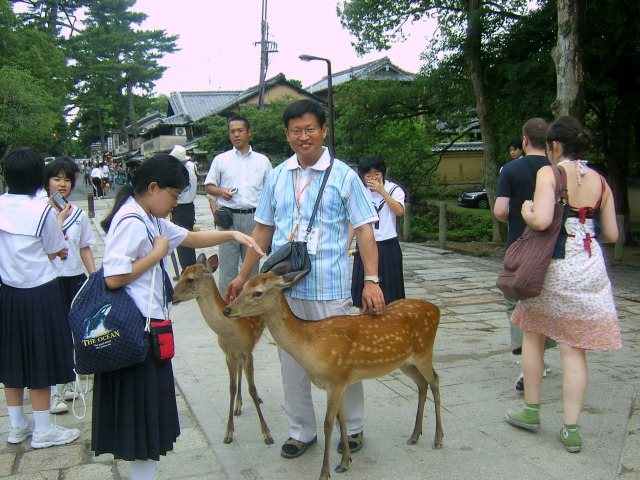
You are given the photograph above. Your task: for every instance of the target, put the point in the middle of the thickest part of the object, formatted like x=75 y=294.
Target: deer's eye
x=257 y=294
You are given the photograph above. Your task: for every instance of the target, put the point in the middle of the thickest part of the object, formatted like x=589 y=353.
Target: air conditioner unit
x=180 y=131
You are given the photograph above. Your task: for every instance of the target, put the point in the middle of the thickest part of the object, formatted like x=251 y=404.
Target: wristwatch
x=371 y=278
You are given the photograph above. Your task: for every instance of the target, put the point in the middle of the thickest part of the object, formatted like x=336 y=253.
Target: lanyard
x=298 y=195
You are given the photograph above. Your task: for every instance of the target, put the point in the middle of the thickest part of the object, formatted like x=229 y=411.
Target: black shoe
x=293 y=448
x=520 y=383
x=355 y=443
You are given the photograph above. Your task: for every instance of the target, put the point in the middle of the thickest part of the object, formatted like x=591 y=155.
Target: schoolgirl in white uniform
x=35 y=339
x=135 y=416
x=60 y=176
x=388 y=200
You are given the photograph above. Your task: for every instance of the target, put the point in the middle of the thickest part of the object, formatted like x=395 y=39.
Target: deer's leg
x=335 y=403
x=435 y=390
x=414 y=374
x=238 y=410
x=344 y=437
x=253 y=391
x=432 y=377
x=232 y=366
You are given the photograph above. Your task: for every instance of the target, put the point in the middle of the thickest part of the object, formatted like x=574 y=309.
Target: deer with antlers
x=342 y=350
x=236 y=338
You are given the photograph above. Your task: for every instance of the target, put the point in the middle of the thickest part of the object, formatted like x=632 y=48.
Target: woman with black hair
x=135 y=416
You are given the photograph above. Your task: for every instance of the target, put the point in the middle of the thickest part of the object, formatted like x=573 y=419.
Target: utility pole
x=266 y=47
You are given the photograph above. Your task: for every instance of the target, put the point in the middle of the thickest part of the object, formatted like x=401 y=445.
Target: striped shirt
x=345 y=200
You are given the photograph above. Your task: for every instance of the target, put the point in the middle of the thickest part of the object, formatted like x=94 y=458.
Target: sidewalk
x=477 y=378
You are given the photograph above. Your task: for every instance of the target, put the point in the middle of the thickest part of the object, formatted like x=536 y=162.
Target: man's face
x=306 y=137
x=515 y=152
x=238 y=134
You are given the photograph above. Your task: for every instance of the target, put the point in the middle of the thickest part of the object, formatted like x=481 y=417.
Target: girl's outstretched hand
x=248 y=241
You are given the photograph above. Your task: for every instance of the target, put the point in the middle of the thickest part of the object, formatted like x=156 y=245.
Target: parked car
x=474 y=199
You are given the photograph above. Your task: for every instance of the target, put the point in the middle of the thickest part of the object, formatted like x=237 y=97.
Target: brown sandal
x=293 y=448
x=355 y=443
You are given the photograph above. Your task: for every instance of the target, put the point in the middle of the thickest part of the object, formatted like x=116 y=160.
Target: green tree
x=471 y=27
x=33 y=86
x=112 y=59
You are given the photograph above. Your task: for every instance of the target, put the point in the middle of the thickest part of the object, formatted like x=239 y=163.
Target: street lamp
x=308 y=58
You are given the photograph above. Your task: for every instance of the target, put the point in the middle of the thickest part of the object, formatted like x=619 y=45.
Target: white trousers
x=298 y=401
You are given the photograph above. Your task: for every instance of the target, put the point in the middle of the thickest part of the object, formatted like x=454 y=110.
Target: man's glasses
x=307 y=131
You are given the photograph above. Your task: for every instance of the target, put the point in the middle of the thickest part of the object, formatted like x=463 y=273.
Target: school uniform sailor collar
x=17 y=219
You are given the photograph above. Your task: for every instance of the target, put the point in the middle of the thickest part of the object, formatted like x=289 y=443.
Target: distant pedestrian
x=184 y=214
x=96 y=180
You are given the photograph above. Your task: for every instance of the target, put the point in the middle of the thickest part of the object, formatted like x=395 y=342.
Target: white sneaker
x=58 y=405
x=56 y=436
x=68 y=391
x=19 y=435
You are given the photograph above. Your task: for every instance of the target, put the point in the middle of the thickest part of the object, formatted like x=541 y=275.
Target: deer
x=236 y=338
x=341 y=350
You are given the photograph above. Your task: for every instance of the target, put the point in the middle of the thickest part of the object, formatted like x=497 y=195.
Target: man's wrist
x=371 y=278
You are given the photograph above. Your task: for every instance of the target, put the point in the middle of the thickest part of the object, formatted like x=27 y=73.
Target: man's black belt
x=243 y=210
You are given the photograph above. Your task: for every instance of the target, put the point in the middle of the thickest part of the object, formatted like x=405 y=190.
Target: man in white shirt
x=235 y=180
x=185 y=213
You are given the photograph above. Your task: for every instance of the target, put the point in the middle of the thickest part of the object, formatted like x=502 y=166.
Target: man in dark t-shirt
x=516 y=183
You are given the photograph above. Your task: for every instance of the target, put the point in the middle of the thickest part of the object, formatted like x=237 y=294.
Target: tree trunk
x=567 y=55
x=101 y=130
x=485 y=107
x=133 y=121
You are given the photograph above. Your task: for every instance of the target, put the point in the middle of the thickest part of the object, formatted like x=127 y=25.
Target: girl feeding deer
x=135 y=416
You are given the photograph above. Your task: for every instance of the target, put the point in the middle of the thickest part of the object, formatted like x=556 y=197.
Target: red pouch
x=161 y=339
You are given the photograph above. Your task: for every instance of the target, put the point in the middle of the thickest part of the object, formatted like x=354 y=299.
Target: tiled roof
x=381 y=69
x=460 y=147
x=197 y=105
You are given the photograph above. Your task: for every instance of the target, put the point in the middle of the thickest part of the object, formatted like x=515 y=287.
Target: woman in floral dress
x=576 y=306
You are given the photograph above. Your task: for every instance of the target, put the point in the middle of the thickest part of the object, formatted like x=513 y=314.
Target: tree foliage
x=33 y=86
x=267 y=131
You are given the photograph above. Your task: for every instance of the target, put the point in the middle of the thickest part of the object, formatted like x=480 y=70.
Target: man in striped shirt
x=284 y=210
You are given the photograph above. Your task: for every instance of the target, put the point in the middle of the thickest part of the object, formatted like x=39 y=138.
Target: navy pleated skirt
x=135 y=415
x=36 y=347
x=389 y=273
x=69 y=287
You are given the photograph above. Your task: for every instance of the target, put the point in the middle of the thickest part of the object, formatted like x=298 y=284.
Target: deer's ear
x=291 y=278
x=211 y=263
x=281 y=268
x=202 y=259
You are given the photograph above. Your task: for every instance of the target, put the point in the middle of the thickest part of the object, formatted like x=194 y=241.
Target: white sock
x=54 y=389
x=143 y=469
x=17 y=419
x=42 y=421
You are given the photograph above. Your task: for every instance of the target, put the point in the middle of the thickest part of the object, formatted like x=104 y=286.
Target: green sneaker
x=527 y=417
x=570 y=436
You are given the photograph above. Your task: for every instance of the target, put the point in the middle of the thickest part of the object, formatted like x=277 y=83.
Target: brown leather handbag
x=527 y=260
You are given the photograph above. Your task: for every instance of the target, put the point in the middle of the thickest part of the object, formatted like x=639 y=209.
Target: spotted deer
x=342 y=350
x=236 y=338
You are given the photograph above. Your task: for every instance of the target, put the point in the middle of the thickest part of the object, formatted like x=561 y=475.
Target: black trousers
x=185 y=216
x=97 y=185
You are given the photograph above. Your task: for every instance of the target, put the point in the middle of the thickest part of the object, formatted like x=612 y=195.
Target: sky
x=217 y=42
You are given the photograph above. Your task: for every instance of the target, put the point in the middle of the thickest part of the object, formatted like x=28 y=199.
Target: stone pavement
x=477 y=375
